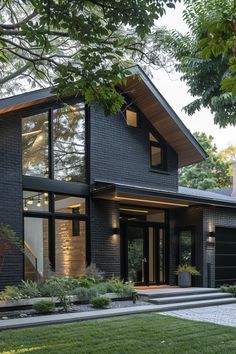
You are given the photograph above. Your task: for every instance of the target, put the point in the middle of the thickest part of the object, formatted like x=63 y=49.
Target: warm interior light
x=149 y=201
x=39 y=202
x=30 y=201
x=32 y=133
x=46 y=201
x=134 y=210
x=74 y=206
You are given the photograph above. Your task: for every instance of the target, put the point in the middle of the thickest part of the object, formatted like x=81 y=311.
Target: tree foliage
x=207 y=57
x=212 y=173
x=81 y=46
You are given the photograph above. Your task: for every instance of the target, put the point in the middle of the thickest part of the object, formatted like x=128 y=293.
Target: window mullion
x=50 y=145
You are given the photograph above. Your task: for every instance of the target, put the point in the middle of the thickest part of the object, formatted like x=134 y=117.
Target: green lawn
x=144 y=334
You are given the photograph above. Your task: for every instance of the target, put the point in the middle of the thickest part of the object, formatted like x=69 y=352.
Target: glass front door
x=144 y=254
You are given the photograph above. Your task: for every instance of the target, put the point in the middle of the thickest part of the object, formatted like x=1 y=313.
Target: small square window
x=132 y=118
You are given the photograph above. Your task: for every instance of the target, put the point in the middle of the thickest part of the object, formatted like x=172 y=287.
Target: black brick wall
x=120 y=153
x=11 y=195
x=214 y=217
x=105 y=247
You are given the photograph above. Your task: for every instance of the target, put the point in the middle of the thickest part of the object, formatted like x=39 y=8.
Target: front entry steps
x=176 y=298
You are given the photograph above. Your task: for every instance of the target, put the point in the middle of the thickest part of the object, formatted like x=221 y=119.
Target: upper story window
x=53 y=144
x=131 y=117
x=157 y=153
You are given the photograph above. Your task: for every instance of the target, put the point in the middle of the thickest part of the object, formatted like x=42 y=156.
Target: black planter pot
x=184 y=280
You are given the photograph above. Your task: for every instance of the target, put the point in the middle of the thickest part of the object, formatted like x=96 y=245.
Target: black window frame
x=49 y=109
x=51 y=215
x=191 y=229
x=163 y=165
x=132 y=108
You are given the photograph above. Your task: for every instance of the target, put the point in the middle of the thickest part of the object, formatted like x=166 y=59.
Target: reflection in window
x=35 y=145
x=35 y=201
x=185 y=247
x=69 y=143
x=37 y=263
x=69 y=250
x=69 y=204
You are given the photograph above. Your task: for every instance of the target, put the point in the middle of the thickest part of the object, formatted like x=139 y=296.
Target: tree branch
x=18 y=24
x=15 y=74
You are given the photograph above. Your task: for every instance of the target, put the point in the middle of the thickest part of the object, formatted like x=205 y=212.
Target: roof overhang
x=26 y=100
x=147 y=98
x=134 y=195
x=157 y=110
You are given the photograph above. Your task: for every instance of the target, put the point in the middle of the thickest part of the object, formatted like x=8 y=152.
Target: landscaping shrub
x=100 y=302
x=92 y=272
x=229 y=289
x=10 y=293
x=29 y=289
x=49 y=287
x=44 y=306
x=115 y=285
x=84 y=294
x=60 y=287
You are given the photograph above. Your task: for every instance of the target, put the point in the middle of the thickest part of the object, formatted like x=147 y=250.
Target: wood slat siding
x=161 y=120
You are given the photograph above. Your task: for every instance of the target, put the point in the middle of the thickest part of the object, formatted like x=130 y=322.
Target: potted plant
x=184 y=273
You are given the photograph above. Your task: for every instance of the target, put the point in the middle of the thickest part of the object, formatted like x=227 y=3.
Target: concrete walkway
x=75 y=316
x=223 y=315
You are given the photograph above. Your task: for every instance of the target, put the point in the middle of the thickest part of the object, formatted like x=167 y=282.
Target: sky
x=176 y=92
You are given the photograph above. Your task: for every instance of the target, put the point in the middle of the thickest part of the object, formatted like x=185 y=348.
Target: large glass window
x=53 y=144
x=69 y=143
x=186 y=247
x=35 y=201
x=69 y=204
x=35 y=145
x=62 y=251
x=37 y=264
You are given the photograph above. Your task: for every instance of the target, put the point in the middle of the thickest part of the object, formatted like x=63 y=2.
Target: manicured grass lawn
x=144 y=334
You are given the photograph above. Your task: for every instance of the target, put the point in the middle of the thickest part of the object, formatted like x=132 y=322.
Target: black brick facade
x=120 y=153
x=11 y=195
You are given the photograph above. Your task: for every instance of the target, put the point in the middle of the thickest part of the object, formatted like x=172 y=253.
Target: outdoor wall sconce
x=115 y=231
x=211 y=239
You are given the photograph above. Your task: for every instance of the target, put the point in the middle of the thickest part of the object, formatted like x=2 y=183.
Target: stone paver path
x=223 y=314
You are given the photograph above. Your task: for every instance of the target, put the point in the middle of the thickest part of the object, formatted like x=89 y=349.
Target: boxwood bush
x=44 y=306
x=101 y=302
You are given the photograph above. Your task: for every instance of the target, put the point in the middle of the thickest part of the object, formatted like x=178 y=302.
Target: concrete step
x=188 y=298
x=174 y=292
x=194 y=304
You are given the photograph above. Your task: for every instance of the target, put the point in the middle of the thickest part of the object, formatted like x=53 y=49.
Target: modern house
x=80 y=187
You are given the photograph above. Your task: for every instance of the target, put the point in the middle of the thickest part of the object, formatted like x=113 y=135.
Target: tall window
x=35 y=145
x=157 y=153
x=54 y=234
x=53 y=144
x=186 y=246
x=69 y=143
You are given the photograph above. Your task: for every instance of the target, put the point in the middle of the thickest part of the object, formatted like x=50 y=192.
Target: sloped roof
x=224 y=191
x=209 y=195
x=148 y=99
x=161 y=115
